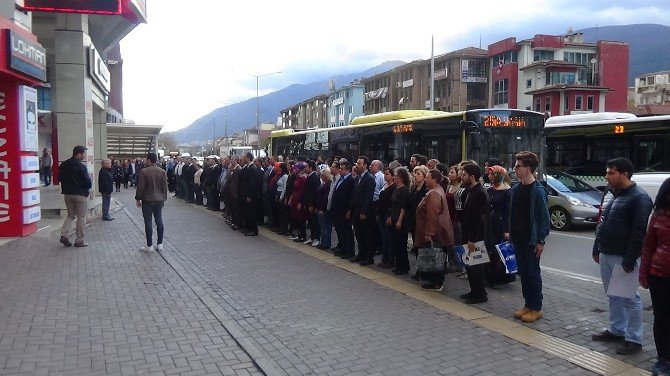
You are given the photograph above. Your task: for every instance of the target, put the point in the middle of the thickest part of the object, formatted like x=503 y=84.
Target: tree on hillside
x=167 y=142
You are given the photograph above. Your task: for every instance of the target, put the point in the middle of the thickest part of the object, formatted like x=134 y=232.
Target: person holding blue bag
x=529 y=225
x=500 y=196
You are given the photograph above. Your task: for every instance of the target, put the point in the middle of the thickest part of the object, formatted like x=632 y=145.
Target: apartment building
x=558 y=74
x=345 y=103
x=652 y=89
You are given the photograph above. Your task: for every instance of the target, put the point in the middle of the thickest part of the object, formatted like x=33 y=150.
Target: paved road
x=217 y=302
x=571 y=251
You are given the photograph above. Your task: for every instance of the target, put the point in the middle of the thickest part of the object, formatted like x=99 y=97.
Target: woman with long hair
x=655 y=275
x=398 y=219
x=418 y=192
x=118 y=173
x=383 y=206
x=500 y=196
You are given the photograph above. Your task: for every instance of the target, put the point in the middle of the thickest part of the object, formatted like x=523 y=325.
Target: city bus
x=447 y=136
x=580 y=145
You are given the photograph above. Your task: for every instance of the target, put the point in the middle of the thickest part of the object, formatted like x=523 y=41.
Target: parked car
x=571 y=201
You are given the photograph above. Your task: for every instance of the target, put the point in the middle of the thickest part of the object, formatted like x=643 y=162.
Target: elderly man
x=106 y=187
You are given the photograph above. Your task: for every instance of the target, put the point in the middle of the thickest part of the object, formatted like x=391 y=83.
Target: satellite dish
x=593 y=61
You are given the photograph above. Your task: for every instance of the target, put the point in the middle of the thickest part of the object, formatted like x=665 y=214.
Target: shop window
x=589 y=102
x=578 y=102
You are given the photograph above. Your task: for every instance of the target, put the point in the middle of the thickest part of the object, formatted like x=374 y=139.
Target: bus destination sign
x=403 y=128
x=504 y=121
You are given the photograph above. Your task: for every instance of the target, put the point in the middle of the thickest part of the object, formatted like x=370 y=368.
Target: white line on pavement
x=581 y=277
x=40 y=229
x=573 y=236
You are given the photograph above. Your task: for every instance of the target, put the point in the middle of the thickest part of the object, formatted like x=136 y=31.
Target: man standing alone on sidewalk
x=618 y=245
x=529 y=225
x=150 y=195
x=105 y=187
x=75 y=184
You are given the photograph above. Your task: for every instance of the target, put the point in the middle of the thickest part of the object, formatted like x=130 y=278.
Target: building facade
x=652 y=89
x=345 y=103
x=312 y=113
x=558 y=74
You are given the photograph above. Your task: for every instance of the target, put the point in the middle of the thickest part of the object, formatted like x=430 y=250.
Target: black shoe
x=476 y=300
x=66 y=242
x=432 y=287
x=250 y=234
x=607 y=336
x=366 y=262
x=356 y=259
x=416 y=276
x=345 y=256
x=335 y=250
x=467 y=296
x=108 y=219
x=299 y=240
x=628 y=348
x=80 y=244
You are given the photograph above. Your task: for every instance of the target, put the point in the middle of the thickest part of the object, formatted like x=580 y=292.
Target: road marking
x=573 y=236
x=581 y=277
x=40 y=229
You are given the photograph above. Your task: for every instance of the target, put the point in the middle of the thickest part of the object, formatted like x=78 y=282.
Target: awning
x=131 y=140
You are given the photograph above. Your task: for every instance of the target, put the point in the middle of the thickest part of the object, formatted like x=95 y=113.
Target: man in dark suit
x=344 y=188
x=362 y=213
x=187 y=175
x=309 y=200
x=249 y=193
x=213 y=201
x=106 y=187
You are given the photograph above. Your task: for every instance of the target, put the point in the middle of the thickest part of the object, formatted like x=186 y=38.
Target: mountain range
x=647 y=54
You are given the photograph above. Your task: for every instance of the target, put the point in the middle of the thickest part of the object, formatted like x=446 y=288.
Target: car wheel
x=559 y=219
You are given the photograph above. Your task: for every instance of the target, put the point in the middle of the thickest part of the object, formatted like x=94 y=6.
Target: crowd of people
x=375 y=208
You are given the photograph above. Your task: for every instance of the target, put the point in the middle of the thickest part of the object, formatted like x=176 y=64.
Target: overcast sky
x=192 y=57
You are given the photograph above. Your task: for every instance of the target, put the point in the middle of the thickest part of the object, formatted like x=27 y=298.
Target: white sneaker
x=159 y=247
x=147 y=249
x=308 y=241
x=293 y=237
x=315 y=243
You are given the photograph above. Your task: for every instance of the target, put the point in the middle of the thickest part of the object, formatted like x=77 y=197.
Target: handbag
x=508 y=256
x=430 y=259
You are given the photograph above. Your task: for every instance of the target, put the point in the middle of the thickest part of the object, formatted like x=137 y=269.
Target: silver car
x=571 y=201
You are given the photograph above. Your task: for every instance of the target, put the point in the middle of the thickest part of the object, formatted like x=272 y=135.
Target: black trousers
x=398 y=240
x=476 y=279
x=659 y=289
x=345 y=236
x=249 y=209
x=314 y=227
x=365 y=236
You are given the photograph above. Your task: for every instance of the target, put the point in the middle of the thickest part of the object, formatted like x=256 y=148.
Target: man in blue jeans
x=618 y=245
x=529 y=225
x=150 y=195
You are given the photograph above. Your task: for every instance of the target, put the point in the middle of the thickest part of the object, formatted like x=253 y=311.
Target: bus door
x=345 y=143
x=443 y=146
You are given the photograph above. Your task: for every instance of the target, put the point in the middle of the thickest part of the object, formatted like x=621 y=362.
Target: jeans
x=528 y=266
x=625 y=313
x=154 y=208
x=46 y=173
x=106 y=200
x=659 y=288
x=384 y=237
x=326 y=227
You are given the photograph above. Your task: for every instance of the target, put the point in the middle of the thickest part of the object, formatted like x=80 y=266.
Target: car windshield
x=564 y=183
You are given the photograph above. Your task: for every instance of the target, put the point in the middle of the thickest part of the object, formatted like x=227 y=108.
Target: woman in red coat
x=655 y=275
x=298 y=213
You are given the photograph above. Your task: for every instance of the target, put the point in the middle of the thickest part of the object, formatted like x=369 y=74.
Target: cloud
x=185 y=62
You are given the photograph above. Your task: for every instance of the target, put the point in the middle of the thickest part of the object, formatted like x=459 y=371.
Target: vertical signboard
x=90 y=140
x=19 y=200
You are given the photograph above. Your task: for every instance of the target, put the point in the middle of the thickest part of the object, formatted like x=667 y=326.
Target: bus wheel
x=559 y=219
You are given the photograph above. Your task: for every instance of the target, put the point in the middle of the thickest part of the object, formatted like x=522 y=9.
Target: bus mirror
x=474 y=141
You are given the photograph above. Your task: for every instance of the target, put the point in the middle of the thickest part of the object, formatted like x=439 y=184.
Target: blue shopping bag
x=506 y=252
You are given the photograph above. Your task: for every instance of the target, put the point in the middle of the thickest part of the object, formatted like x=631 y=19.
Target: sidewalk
x=265 y=305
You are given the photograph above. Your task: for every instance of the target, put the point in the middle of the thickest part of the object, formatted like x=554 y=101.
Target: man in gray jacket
x=618 y=245
x=150 y=195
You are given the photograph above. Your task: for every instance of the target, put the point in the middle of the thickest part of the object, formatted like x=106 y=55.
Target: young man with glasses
x=529 y=225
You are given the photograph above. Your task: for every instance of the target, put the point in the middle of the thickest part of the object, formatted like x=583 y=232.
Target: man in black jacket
x=309 y=201
x=213 y=200
x=106 y=187
x=618 y=245
x=362 y=213
x=187 y=175
x=344 y=189
x=75 y=184
x=249 y=194
x=474 y=225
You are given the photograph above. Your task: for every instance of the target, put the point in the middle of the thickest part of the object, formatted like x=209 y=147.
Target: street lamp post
x=258 y=121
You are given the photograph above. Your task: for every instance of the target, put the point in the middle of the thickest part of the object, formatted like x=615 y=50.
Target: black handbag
x=430 y=259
